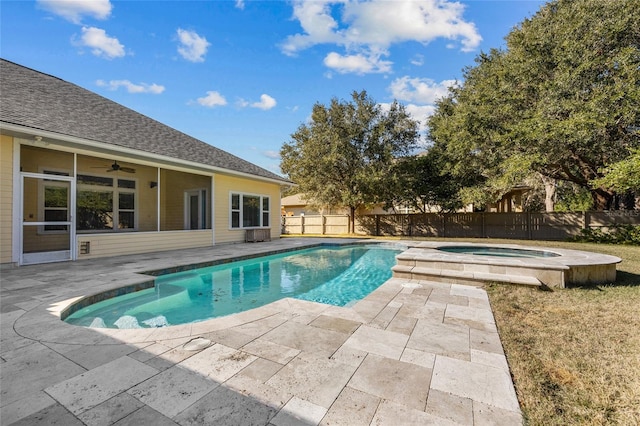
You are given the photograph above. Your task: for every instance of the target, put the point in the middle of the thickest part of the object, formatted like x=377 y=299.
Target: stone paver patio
x=412 y=352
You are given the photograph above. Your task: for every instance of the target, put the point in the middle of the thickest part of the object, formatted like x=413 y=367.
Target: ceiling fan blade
x=127 y=170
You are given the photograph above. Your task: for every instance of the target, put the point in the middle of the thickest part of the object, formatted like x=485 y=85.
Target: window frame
x=115 y=190
x=240 y=210
x=42 y=209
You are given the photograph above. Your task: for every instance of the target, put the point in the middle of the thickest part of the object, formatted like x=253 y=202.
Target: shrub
x=625 y=234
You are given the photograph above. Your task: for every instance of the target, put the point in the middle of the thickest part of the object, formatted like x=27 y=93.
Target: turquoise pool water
x=332 y=275
x=498 y=251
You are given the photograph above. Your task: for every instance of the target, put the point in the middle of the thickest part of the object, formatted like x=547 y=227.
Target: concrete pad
x=316 y=379
x=352 y=407
x=441 y=339
x=264 y=393
x=489 y=358
x=398 y=381
x=481 y=319
x=25 y=407
x=230 y=337
x=491 y=386
x=298 y=411
x=486 y=341
x=336 y=324
x=224 y=406
x=380 y=342
x=431 y=311
x=110 y=411
x=89 y=389
x=173 y=390
x=271 y=351
x=218 y=362
x=469 y=291
x=146 y=416
x=402 y=325
x=52 y=415
x=33 y=372
x=261 y=369
x=307 y=338
x=421 y=358
x=391 y=413
x=93 y=356
x=450 y=407
x=485 y=415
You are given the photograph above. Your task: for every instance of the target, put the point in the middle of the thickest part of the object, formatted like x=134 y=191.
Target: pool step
x=459 y=276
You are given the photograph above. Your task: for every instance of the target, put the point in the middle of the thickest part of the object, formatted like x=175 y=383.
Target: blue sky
x=243 y=75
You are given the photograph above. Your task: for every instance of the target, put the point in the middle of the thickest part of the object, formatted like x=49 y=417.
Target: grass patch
x=575 y=353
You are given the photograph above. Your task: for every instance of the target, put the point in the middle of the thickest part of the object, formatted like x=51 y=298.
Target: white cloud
x=240 y=4
x=359 y=64
x=100 y=43
x=212 y=99
x=192 y=46
x=420 y=90
x=266 y=102
x=73 y=10
x=417 y=60
x=274 y=155
x=153 y=88
x=369 y=28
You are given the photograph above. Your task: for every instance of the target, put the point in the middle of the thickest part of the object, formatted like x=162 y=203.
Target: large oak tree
x=344 y=155
x=562 y=99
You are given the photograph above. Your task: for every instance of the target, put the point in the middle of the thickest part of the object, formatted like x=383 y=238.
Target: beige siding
x=6 y=198
x=224 y=185
x=142 y=242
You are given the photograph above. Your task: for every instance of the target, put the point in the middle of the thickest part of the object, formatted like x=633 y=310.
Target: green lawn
x=574 y=353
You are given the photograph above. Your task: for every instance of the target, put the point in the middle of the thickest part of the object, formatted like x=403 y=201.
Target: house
x=84 y=177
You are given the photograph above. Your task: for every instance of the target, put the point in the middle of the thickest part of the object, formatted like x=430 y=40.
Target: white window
x=249 y=211
x=54 y=203
x=106 y=203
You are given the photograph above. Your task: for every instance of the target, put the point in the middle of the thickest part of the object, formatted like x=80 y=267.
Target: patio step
x=460 y=277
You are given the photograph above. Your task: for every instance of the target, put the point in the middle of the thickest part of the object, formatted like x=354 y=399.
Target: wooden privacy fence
x=532 y=226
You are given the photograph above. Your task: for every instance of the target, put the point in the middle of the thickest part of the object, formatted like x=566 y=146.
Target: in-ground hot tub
x=467 y=263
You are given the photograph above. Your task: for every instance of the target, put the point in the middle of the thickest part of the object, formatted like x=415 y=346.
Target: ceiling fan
x=115 y=167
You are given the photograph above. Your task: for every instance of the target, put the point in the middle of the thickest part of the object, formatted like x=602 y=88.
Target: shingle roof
x=40 y=101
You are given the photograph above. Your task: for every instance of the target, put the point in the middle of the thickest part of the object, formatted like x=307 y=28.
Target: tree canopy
x=561 y=100
x=344 y=155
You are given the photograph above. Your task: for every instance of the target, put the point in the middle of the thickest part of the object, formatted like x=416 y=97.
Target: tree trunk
x=549 y=193
x=602 y=199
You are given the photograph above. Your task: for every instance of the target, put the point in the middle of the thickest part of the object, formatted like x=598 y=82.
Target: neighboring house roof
x=294 y=200
x=42 y=102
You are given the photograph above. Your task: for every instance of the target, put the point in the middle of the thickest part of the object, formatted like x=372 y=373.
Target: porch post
x=158 y=202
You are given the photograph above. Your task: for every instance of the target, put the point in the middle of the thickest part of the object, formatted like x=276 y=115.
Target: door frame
x=53 y=256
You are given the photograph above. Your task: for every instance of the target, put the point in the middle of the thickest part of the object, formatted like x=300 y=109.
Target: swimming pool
x=336 y=275
x=480 y=250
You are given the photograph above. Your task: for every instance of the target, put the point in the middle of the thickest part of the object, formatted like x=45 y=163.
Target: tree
x=623 y=175
x=344 y=156
x=423 y=183
x=560 y=99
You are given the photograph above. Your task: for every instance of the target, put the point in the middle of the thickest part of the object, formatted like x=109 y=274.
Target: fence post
x=529 y=227
x=302 y=224
x=586 y=220
x=484 y=229
x=444 y=225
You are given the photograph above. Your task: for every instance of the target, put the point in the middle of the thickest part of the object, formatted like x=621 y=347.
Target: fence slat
x=525 y=225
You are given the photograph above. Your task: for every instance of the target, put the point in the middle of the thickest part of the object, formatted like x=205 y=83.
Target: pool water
x=332 y=275
x=498 y=251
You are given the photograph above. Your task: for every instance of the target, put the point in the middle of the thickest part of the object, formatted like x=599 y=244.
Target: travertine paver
x=412 y=352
